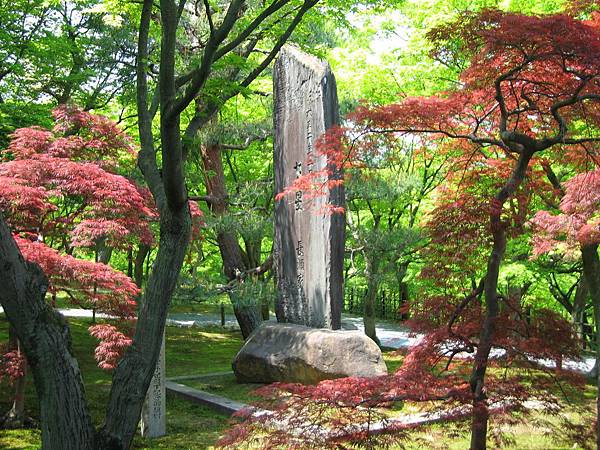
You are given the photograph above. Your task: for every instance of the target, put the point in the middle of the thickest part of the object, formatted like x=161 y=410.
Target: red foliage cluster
x=533 y=62
x=113 y=344
x=100 y=204
x=59 y=184
x=87 y=282
x=12 y=365
x=579 y=221
x=60 y=190
x=78 y=135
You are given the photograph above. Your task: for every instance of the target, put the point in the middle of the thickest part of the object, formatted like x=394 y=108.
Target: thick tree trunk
x=248 y=316
x=591 y=272
x=46 y=341
x=372 y=269
x=480 y=410
x=134 y=372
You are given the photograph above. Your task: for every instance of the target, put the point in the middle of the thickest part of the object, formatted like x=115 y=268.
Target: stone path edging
x=200 y=376
x=220 y=404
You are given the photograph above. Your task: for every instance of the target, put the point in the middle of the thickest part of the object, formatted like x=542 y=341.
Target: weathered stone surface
x=295 y=353
x=309 y=243
x=153 y=422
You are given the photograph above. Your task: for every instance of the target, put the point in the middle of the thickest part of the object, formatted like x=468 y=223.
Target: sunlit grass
x=195 y=351
x=189 y=351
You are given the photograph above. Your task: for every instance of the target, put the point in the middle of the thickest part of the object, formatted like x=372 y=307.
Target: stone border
x=200 y=376
x=216 y=402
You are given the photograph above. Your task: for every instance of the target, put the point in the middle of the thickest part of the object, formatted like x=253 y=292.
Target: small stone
x=299 y=354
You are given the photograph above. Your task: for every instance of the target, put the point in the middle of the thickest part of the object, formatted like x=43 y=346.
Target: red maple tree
x=532 y=87
x=61 y=195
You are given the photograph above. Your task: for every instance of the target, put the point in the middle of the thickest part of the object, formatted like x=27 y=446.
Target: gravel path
x=390 y=334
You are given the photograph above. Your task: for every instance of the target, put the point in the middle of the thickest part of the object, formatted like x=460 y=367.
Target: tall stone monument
x=308 y=247
x=309 y=242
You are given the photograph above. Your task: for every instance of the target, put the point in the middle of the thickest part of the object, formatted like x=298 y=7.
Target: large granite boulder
x=295 y=353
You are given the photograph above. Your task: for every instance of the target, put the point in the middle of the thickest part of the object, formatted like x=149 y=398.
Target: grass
x=531 y=435
x=20 y=439
x=191 y=351
x=188 y=351
x=194 y=351
x=226 y=386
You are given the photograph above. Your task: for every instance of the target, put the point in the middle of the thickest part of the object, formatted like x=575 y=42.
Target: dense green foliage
x=414 y=207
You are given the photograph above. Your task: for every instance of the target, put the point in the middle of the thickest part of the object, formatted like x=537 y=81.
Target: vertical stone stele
x=309 y=240
x=154 y=412
x=307 y=345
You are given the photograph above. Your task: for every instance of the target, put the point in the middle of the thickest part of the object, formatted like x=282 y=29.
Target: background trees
x=527 y=86
x=442 y=189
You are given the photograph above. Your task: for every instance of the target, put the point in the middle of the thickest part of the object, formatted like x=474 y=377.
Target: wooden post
x=222 y=308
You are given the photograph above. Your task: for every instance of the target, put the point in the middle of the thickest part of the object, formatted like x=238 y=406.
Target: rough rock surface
x=295 y=353
x=309 y=240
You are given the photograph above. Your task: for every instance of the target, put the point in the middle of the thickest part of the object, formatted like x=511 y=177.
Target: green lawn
x=189 y=351
x=194 y=351
x=226 y=386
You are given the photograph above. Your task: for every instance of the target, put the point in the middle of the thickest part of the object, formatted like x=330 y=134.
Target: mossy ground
x=188 y=350
x=194 y=351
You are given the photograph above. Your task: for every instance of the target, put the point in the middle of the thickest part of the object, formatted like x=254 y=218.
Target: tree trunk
x=104 y=251
x=253 y=247
x=486 y=337
x=401 y=270
x=138 y=270
x=46 y=341
x=130 y=262
x=264 y=309
x=371 y=272
x=248 y=316
x=591 y=272
x=134 y=372
x=578 y=313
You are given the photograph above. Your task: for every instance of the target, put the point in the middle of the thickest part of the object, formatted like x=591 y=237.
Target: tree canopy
x=136 y=171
